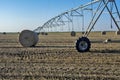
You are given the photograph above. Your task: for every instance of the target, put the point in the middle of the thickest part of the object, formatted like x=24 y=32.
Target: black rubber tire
x=83 y=44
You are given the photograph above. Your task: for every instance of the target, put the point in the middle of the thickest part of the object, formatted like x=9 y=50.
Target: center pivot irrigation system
x=29 y=38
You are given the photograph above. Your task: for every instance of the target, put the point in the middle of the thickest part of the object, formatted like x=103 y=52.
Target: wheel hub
x=83 y=45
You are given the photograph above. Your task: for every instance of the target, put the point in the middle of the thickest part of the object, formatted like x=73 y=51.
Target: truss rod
x=112 y=15
x=67 y=12
x=105 y=2
x=91 y=27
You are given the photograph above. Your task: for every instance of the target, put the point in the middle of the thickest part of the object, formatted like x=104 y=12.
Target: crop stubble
x=55 y=58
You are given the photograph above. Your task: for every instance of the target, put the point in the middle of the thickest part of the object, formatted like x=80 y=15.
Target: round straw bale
x=83 y=32
x=103 y=32
x=28 y=38
x=73 y=33
x=4 y=33
x=46 y=33
x=118 y=32
x=42 y=33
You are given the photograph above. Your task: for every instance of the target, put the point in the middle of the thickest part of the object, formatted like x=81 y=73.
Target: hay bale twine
x=103 y=32
x=73 y=33
x=28 y=38
x=118 y=32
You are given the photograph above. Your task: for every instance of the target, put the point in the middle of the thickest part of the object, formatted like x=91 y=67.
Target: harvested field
x=55 y=58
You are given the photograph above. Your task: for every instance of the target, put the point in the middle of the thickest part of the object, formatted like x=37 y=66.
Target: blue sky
x=17 y=15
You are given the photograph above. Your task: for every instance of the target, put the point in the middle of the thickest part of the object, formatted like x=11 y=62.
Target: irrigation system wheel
x=28 y=38
x=83 y=44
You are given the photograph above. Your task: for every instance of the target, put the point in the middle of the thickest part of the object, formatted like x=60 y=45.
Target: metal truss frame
x=67 y=16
